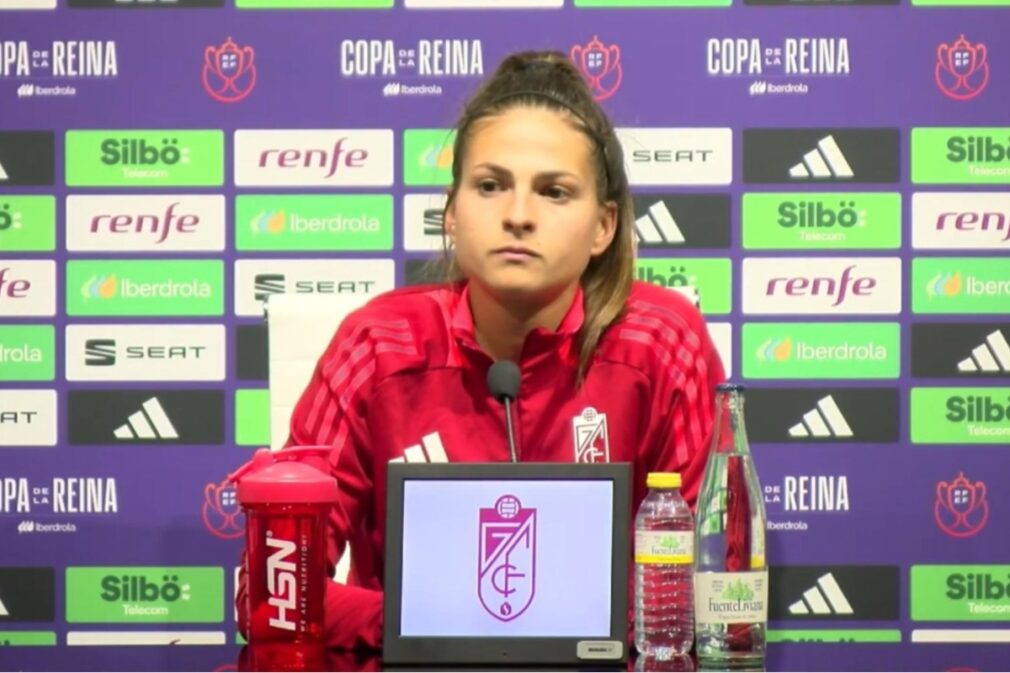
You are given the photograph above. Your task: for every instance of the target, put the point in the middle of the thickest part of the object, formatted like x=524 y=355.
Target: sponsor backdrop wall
x=831 y=178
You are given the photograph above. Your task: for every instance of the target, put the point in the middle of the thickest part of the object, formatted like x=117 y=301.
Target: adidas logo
x=824 y=161
x=824 y=420
x=151 y=422
x=26 y=527
x=658 y=226
x=992 y=355
x=3 y=173
x=430 y=450
x=4 y=612
x=824 y=598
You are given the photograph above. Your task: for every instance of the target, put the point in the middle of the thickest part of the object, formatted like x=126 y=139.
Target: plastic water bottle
x=664 y=557
x=287 y=498
x=731 y=578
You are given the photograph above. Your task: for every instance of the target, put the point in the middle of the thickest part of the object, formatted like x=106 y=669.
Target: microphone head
x=503 y=380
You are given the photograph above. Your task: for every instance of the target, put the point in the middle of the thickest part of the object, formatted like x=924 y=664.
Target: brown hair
x=547 y=79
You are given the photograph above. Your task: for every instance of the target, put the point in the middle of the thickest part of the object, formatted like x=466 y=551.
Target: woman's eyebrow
x=548 y=175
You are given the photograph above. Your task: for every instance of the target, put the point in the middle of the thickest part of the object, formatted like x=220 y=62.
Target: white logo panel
x=145 y=352
x=422 y=222
x=28 y=418
x=722 y=337
x=27 y=4
x=822 y=285
x=150 y=223
x=27 y=288
x=318 y=158
x=257 y=279
x=678 y=156
x=961 y=220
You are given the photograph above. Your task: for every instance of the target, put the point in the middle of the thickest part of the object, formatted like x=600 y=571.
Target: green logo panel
x=821 y=350
x=427 y=156
x=252 y=417
x=829 y=636
x=960 y=416
x=28 y=638
x=961 y=285
x=313 y=4
x=27 y=223
x=27 y=353
x=163 y=158
x=968 y=593
x=812 y=221
x=142 y=287
x=968 y=156
x=146 y=595
x=712 y=278
x=314 y=222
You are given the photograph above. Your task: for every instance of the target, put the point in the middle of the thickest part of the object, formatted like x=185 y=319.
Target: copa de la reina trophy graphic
x=506 y=579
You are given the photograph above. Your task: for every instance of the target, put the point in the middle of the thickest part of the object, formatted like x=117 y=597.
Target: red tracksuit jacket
x=404 y=379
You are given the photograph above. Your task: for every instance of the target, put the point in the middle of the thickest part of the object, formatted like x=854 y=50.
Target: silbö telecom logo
x=961 y=509
x=506 y=581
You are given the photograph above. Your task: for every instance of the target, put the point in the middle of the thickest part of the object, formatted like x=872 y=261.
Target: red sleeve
x=684 y=406
x=331 y=413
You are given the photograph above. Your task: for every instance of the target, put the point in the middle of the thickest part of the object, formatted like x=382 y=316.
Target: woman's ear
x=606 y=229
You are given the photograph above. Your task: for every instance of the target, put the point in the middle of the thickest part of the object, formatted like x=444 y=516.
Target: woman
x=539 y=223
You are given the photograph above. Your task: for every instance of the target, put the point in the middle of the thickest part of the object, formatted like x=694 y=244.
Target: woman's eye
x=556 y=192
x=487 y=186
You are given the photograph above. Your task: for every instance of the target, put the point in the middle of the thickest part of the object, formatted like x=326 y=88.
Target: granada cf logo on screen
x=600 y=64
x=229 y=72
x=961 y=509
x=507 y=563
x=962 y=69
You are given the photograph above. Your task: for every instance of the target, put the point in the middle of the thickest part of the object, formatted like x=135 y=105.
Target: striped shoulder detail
x=650 y=331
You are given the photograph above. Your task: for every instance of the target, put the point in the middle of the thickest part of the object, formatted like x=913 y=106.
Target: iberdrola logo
x=944 y=285
x=775 y=350
x=99 y=287
x=436 y=156
x=738 y=591
x=268 y=222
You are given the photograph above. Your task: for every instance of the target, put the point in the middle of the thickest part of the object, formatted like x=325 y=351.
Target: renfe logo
x=27 y=288
x=314 y=158
x=822 y=285
x=145 y=222
x=282 y=582
x=964 y=220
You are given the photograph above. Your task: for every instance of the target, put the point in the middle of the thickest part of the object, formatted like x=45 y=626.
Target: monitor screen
x=506 y=558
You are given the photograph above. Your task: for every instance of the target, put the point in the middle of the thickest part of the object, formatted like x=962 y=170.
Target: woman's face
x=526 y=218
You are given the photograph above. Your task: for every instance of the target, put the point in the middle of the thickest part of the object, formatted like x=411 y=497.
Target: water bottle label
x=661 y=546
x=731 y=598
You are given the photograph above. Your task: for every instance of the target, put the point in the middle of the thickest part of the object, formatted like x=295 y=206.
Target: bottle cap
x=663 y=480
x=729 y=388
x=285 y=476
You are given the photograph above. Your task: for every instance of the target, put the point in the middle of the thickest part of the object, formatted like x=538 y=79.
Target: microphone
x=503 y=381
